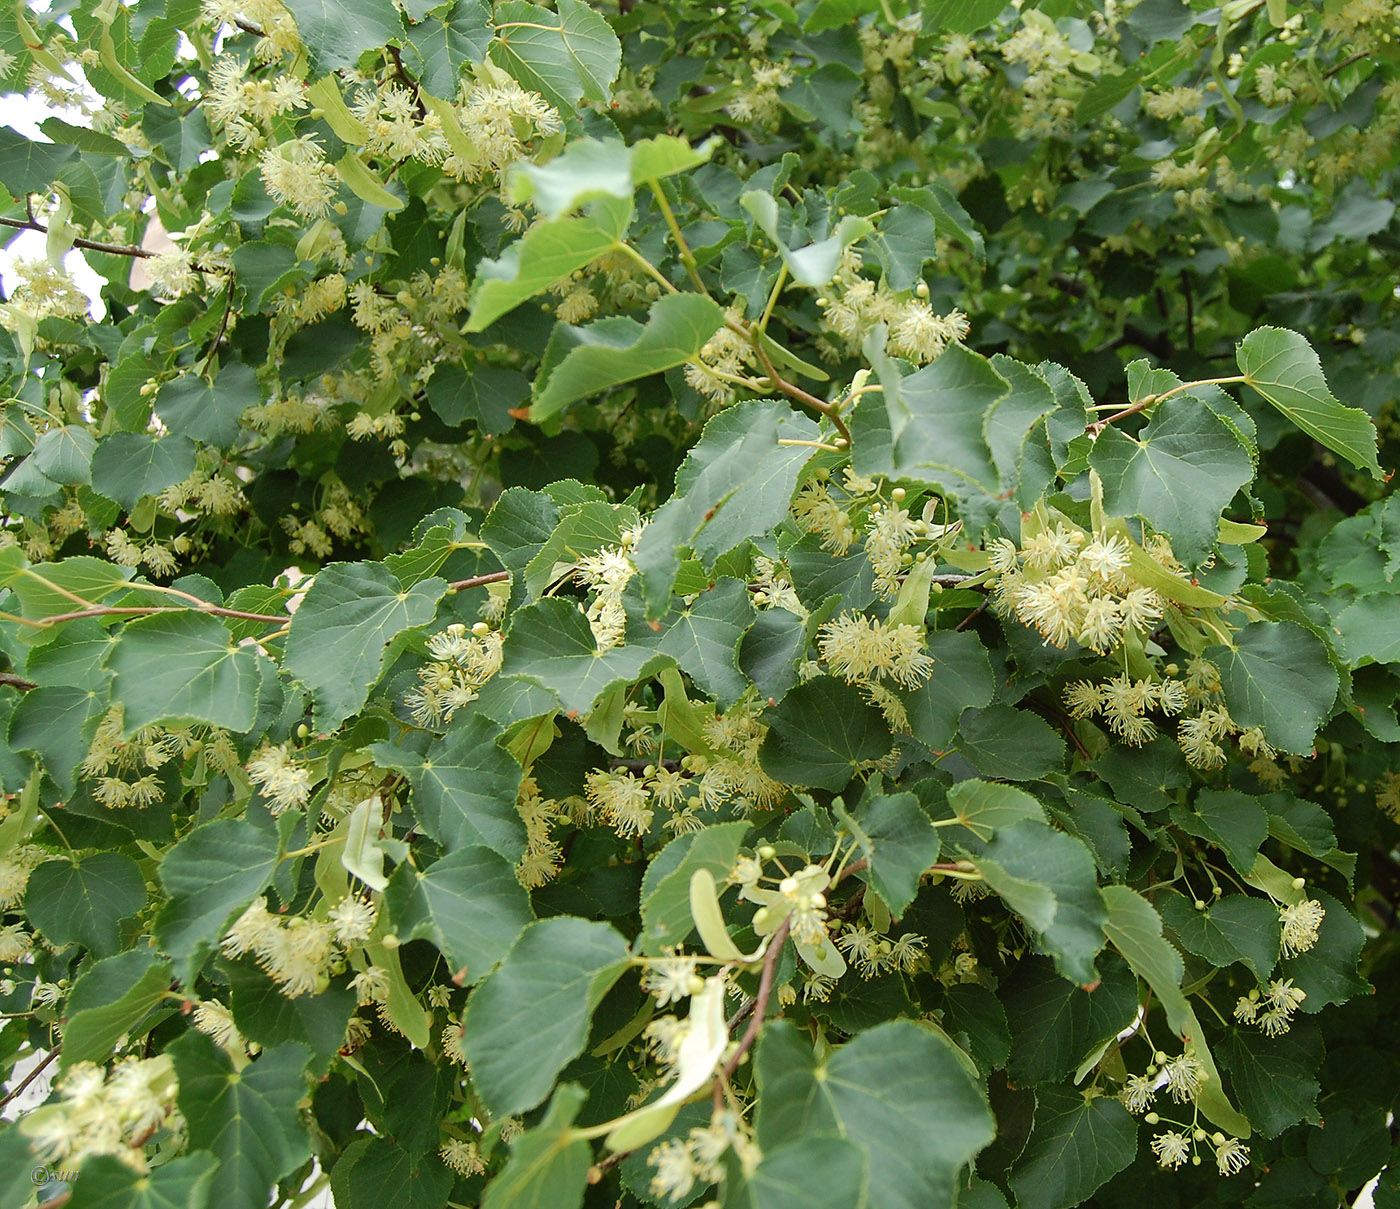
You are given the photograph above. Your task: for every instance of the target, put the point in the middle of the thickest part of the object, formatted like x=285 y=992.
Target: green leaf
x=548 y=1165
x=704 y=640
x=1144 y=777
x=983 y=807
x=591 y=168
x=1011 y=743
x=583 y=531
x=1104 y=94
x=246 y=1118
x=443 y=43
x=464 y=787
x=962 y=678
x=1049 y=879
x=929 y=426
x=1282 y=366
x=806 y=1173
x=481 y=395
x=1077 y=1145
x=1277 y=676
x=552 y=645
x=191 y=407
x=84 y=902
x=28 y=166
x=529 y=1018
x=108 y=1183
x=820 y=735
x=900 y=843
x=183 y=666
x=1055 y=1024
x=468 y=904
x=666 y=920
x=211 y=874
x=1179 y=474
x=614 y=351
x=897 y=1091
x=1368 y=630
x=378 y=1171
x=548 y=252
x=265 y=1015
x=735 y=484
x=1135 y=930
x=1234 y=928
x=65 y=454
x=110 y=998
x=129 y=465
x=42 y=589
x=566 y=57
x=1274 y=1077
x=336 y=35
x=959 y=16
x=57 y=723
x=1233 y=821
x=974 y=1012
x=353 y=618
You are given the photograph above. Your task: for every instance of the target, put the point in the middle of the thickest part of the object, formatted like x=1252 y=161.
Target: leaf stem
x=31 y=1076
x=1152 y=400
x=648 y=266
x=773 y=297
x=692 y=267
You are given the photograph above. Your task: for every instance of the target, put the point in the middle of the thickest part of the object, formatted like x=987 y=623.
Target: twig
x=93 y=245
x=18 y=682
x=760 y=1003
x=461 y=585
x=223 y=327
x=795 y=392
x=32 y=1075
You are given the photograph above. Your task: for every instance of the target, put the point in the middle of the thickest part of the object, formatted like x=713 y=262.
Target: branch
x=18 y=682
x=760 y=1003
x=93 y=245
x=32 y=1075
x=795 y=392
x=461 y=585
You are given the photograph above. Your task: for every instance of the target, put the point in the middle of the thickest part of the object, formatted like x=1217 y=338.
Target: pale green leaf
x=1282 y=366
x=566 y=56
x=129 y=465
x=615 y=351
x=84 y=901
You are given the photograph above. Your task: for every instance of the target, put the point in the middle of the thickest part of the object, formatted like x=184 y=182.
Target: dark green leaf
x=214 y=872
x=353 y=618
x=962 y=678
x=1277 y=676
x=1076 y=1146
x=109 y=1000
x=378 y=1171
x=84 y=902
x=567 y=56
x=1274 y=1077
x=246 y=1118
x=1056 y=1024
x=1011 y=743
x=468 y=904
x=108 y=1183
x=129 y=465
x=336 y=35
x=529 y=1018
x=1234 y=928
x=704 y=640
x=821 y=733
x=548 y=1166
x=900 y=843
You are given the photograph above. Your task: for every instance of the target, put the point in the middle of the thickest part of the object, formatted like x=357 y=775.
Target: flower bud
x=767 y=852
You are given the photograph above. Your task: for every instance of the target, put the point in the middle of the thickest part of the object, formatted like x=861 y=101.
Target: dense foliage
x=665 y=604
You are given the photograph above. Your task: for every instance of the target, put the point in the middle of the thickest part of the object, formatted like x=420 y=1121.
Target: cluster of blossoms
x=1123 y=703
x=500 y=120
x=1182 y=1078
x=42 y=290
x=757 y=101
x=871 y=953
x=799 y=899
x=853 y=305
x=463 y=661
x=543 y=854
x=607 y=573
x=101 y=1112
x=297 y=174
x=865 y=650
x=159 y=558
x=282 y=781
x=698 y=1157
x=722 y=364
x=125 y=767
x=340 y=513
x=246 y=105
x=299 y=952
x=277 y=31
x=1299 y=923
x=1273 y=1008
x=1068 y=587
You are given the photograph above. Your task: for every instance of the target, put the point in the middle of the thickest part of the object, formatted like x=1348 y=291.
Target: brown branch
x=461 y=585
x=32 y=1075
x=795 y=392
x=760 y=1003
x=91 y=245
x=223 y=327
x=18 y=682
